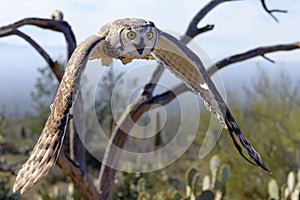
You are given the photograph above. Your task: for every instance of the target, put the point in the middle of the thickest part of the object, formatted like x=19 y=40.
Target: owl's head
x=137 y=38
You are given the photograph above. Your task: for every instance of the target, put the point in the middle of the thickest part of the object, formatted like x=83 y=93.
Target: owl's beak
x=140 y=46
x=140 y=50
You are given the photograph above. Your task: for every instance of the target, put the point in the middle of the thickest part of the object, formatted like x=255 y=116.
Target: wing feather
x=188 y=67
x=46 y=151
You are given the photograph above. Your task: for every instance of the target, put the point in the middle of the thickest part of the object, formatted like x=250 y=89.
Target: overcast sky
x=239 y=26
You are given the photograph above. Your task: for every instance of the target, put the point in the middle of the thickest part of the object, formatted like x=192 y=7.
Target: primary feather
x=188 y=67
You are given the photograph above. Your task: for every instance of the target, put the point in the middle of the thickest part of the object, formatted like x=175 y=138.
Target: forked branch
x=270 y=12
x=54 y=25
x=259 y=51
x=193 y=30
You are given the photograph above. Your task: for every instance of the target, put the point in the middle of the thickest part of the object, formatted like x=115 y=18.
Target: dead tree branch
x=81 y=180
x=259 y=51
x=119 y=136
x=270 y=12
x=193 y=30
x=54 y=25
x=53 y=65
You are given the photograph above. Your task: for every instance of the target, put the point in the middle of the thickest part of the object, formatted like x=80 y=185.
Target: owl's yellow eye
x=131 y=35
x=149 y=35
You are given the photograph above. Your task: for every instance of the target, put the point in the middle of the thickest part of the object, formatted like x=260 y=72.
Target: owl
x=126 y=39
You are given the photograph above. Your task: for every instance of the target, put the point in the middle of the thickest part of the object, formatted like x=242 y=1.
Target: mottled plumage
x=126 y=39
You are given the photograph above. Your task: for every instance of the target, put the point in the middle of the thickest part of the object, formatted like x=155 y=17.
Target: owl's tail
x=239 y=141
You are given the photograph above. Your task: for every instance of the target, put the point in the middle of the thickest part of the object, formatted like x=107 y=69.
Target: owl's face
x=137 y=41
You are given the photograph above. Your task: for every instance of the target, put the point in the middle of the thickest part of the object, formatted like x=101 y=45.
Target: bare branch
x=119 y=136
x=169 y=95
x=82 y=182
x=193 y=30
x=53 y=65
x=54 y=25
x=77 y=149
x=150 y=86
x=186 y=39
x=259 y=51
x=270 y=12
x=268 y=59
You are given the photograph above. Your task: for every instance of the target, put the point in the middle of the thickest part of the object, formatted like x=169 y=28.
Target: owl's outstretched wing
x=188 y=67
x=46 y=151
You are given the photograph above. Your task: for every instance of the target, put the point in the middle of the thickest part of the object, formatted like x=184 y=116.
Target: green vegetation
x=162 y=186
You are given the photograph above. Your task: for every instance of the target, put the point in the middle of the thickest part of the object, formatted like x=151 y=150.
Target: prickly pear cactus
x=290 y=190
x=215 y=163
x=196 y=185
x=207 y=187
x=213 y=186
x=225 y=173
x=206 y=183
x=190 y=173
x=273 y=189
x=291 y=182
